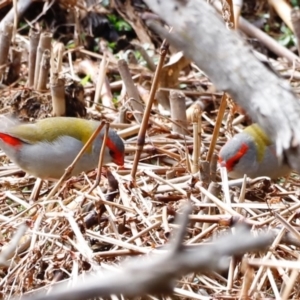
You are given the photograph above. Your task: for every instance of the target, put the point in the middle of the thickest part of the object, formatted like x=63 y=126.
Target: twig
x=7 y=250
x=217 y=127
x=143 y=128
x=156 y=274
x=178 y=112
x=34 y=37
x=44 y=44
x=131 y=89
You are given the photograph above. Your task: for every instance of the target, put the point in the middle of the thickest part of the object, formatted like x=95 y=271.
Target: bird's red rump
x=10 y=140
x=230 y=163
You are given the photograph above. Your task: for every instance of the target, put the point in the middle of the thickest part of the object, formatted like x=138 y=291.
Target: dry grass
x=79 y=229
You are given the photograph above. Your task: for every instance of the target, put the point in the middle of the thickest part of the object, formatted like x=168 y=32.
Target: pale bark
x=222 y=54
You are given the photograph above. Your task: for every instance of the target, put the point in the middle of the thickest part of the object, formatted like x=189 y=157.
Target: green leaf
x=85 y=80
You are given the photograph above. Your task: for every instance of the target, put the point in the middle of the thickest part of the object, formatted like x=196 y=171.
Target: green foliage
x=70 y=45
x=295 y=3
x=112 y=45
x=287 y=38
x=85 y=80
x=183 y=86
x=118 y=23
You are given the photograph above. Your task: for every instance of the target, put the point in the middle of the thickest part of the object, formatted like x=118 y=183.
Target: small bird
x=46 y=148
x=252 y=153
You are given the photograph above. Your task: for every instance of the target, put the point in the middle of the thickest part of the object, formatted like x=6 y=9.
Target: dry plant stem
x=77 y=27
x=15 y=8
x=196 y=119
x=273 y=281
x=228 y=15
x=169 y=153
x=288 y=226
x=100 y=80
x=170 y=174
x=255 y=286
x=5 y=39
x=128 y=131
x=204 y=173
x=130 y=57
x=290 y=283
x=266 y=40
x=213 y=188
x=165 y=223
x=225 y=186
x=283 y=9
x=44 y=44
x=280 y=122
x=274 y=264
x=145 y=120
x=100 y=162
x=178 y=112
x=248 y=277
x=57 y=89
x=71 y=167
x=242 y=194
x=8 y=250
x=217 y=127
x=132 y=91
x=44 y=71
x=295 y=17
x=232 y=265
x=56 y=58
x=157 y=273
x=106 y=95
x=237 y=6
x=15 y=65
x=36 y=189
x=219 y=203
x=122 y=115
x=34 y=37
x=175 y=187
x=146 y=57
x=213 y=167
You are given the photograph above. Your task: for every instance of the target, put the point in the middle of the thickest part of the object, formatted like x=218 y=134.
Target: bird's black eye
x=235 y=162
x=111 y=153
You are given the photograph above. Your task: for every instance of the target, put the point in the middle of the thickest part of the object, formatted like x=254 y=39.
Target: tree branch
x=157 y=273
x=201 y=34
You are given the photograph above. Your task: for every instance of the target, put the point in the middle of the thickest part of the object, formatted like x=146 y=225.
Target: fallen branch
x=201 y=34
x=157 y=272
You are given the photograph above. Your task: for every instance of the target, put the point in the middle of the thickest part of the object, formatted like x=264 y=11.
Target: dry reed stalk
x=5 y=40
x=15 y=65
x=295 y=18
x=145 y=119
x=146 y=57
x=217 y=127
x=100 y=80
x=44 y=44
x=34 y=37
x=135 y=103
x=57 y=90
x=178 y=114
x=44 y=70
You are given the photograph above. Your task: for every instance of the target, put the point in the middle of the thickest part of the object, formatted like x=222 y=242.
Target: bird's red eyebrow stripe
x=119 y=158
x=231 y=162
x=10 y=140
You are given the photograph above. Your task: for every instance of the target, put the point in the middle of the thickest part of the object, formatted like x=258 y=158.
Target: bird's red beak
x=119 y=160
x=223 y=163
